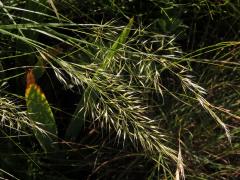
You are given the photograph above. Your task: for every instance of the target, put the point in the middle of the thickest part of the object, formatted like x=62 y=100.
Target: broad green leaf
x=39 y=111
x=88 y=96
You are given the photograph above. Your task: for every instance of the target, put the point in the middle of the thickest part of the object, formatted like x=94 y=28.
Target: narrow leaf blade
x=78 y=116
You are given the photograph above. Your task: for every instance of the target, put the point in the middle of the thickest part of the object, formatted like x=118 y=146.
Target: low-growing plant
x=117 y=99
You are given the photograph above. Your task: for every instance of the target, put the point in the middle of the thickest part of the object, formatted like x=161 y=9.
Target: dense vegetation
x=127 y=89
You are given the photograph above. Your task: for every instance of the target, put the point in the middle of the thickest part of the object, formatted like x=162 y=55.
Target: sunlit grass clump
x=116 y=99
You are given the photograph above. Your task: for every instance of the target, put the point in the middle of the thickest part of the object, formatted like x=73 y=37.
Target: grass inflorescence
x=126 y=93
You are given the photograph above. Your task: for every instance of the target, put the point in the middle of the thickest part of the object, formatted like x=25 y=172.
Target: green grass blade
x=117 y=45
x=78 y=117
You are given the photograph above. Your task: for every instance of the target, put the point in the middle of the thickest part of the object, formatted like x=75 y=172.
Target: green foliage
x=42 y=118
x=88 y=98
x=156 y=99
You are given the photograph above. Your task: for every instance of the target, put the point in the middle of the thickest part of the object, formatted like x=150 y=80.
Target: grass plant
x=147 y=97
